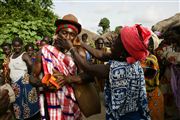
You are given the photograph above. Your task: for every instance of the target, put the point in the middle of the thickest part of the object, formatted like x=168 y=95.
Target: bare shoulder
x=25 y=56
x=81 y=51
x=39 y=53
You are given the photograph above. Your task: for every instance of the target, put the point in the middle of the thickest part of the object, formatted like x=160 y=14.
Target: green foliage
x=29 y=19
x=29 y=31
x=117 y=29
x=105 y=24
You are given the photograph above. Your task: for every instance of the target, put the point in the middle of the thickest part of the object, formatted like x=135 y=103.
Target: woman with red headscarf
x=125 y=91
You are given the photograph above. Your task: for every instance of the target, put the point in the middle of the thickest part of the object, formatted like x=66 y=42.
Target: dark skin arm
x=99 y=54
x=99 y=70
x=4 y=105
x=80 y=78
x=4 y=101
x=36 y=70
x=28 y=61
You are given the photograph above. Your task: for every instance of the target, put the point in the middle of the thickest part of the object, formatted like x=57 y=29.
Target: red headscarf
x=66 y=26
x=135 y=40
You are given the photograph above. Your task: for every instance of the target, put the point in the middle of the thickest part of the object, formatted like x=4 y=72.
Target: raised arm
x=99 y=54
x=99 y=70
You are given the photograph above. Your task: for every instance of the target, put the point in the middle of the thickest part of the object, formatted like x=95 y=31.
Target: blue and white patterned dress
x=125 y=92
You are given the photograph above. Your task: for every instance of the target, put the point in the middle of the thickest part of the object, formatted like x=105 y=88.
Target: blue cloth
x=33 y=59
x=125 y=92
x=26 y=104
x=128 y=116
x=88 y=56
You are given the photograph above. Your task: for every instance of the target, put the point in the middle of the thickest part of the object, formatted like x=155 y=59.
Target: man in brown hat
x=57 y=99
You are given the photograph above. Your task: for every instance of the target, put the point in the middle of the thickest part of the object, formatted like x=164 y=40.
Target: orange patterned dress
x=154 y=95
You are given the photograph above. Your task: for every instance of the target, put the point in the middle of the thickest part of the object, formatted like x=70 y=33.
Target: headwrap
x=155 y=40
x=69 y=19
x=135 y=40
x=61 y=26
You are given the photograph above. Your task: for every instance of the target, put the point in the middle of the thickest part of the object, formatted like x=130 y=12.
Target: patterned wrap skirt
x=26 y=103
x=156 y=104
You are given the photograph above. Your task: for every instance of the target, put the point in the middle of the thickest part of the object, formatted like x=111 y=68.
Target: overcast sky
x=119 y=12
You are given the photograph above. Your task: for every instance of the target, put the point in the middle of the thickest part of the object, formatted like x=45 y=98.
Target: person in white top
x=26 y=103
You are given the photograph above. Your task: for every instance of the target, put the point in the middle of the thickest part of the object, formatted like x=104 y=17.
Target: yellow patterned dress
x=154 y=95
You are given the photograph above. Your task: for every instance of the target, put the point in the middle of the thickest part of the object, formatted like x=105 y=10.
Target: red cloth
x=66 y=26
x=62 y=104
x=135 y=45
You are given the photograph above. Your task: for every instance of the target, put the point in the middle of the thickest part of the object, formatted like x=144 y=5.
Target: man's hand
x=62 y=79
x=66 y=44
x=59 y=77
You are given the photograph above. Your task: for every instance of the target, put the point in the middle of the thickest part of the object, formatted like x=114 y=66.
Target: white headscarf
x=156 y=40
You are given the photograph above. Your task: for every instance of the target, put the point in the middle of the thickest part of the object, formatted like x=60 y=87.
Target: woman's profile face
x=115 y=47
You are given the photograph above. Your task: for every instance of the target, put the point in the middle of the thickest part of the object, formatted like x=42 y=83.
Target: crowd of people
x=60 y=79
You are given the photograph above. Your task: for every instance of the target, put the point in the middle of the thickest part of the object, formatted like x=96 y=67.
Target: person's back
x=124 y=92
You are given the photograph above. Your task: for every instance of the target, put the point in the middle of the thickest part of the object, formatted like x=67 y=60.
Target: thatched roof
x=167 y=24
x=169 y=29
x=91 y=35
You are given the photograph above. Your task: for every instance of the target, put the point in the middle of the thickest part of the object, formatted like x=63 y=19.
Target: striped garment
x=62 y=104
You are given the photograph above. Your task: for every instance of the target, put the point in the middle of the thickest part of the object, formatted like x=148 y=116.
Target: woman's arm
x=28 y=61
x=99 y=70
x=99 y=54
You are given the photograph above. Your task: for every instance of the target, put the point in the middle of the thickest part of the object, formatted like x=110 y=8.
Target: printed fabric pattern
x=125 y=92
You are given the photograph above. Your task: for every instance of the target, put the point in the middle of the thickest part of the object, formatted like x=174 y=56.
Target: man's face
x=66 y=34
x=84 y=38
x=99 y=44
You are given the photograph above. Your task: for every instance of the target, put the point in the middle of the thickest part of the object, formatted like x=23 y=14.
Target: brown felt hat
x=69 y=19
